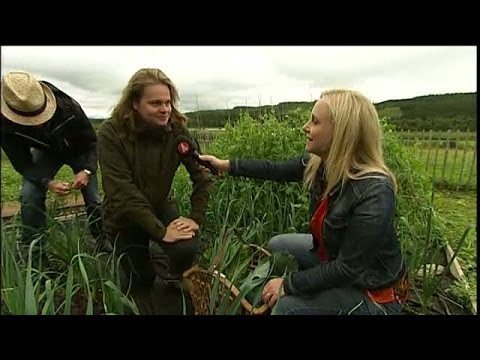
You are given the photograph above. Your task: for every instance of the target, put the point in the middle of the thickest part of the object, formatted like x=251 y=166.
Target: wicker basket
x=200 y=281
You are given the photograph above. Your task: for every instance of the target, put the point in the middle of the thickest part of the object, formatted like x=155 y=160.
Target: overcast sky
x=220 y=77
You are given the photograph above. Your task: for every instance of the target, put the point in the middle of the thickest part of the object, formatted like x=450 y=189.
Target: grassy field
x=458 y=210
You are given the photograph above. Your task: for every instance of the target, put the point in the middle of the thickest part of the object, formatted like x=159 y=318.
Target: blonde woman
x=351 y=261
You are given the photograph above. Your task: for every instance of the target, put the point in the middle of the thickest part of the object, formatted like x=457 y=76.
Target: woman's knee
x=287 y=305
x=278 y=243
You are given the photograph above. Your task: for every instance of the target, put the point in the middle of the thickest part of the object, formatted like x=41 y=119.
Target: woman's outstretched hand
x=220 y=165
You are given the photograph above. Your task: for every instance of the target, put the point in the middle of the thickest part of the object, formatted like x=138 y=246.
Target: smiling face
x=319 y=130
x=155 y=105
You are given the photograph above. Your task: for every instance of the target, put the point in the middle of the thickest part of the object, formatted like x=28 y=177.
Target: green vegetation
x=457 y=211
x=249 y=211
x=75 y=283
x=435 y=112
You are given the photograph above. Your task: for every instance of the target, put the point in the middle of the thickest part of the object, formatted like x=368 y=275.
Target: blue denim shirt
x=360 y=240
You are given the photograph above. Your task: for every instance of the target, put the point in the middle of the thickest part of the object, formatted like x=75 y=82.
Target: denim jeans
x=33 y=197
x=334 y=301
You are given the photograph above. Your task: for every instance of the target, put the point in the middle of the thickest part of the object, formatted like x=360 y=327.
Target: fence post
x=438 y=143
x=429 y=148
x=463 y=161
x=472 y=166
x=446 y=154
x=457 y=139
x=423 y=144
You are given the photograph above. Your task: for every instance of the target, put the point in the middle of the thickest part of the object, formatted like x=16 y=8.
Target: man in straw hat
x=43 y=129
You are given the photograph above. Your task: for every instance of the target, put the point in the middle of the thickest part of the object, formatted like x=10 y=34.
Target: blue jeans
x=335 y=301
x=33 y=209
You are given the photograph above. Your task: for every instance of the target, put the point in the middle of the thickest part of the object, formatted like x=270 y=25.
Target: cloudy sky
x=220 y=77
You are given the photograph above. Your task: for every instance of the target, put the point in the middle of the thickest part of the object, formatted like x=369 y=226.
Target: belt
x=398 y=292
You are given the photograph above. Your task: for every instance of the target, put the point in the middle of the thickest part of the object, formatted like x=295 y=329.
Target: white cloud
x=211 y=77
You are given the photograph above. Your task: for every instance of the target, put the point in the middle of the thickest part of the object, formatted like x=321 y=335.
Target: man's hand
x=173 y=234
x=80 y=180
x=272 y=291
x=186 y=224
x=59 y=187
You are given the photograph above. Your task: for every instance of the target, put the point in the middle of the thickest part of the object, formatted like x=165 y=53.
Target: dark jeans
x=144 y=260
x=33 y=209
x=335 y=301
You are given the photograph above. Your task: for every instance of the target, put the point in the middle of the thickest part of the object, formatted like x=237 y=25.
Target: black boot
x=103 y=245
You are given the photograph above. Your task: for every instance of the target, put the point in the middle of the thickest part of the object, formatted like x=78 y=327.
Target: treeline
x=218 y=118
x=431 y=112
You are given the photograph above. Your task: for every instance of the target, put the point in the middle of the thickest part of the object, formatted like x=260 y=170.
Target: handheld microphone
x=185 y=148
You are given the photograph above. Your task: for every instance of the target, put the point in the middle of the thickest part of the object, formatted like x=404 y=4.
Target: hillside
x=218 y=118
x=436 y=112
x=448 y=105
x=431 y=112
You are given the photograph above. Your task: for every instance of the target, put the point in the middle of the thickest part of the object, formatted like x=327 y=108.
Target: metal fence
x=449 y=156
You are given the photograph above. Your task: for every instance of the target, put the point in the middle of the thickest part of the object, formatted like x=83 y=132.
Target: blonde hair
x=356 y=148
x=124 y=112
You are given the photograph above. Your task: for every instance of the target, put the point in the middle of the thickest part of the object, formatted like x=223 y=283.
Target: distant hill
x=218 y=118
x=436 y=112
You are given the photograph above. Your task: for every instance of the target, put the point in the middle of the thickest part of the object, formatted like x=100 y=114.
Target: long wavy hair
x=356 y=149
x=126 y=115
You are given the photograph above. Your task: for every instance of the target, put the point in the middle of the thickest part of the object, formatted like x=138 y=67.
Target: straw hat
x=25 y=100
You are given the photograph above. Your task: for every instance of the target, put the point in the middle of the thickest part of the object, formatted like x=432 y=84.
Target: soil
x=441 y=303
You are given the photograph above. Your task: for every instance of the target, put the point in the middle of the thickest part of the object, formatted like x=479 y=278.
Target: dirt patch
x=440 y=303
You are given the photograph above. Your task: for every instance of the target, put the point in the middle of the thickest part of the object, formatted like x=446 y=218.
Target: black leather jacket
x=360 y=240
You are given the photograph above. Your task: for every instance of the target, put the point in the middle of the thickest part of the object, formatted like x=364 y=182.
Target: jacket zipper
x=63 y=123
x=32 y=139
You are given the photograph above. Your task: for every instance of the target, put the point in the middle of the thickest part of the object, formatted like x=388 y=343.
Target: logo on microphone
x=183 y=148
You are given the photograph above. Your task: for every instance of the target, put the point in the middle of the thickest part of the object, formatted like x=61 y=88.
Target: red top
x=316 y=226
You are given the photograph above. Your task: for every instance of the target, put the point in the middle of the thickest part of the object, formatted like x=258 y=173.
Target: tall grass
x=76 y=280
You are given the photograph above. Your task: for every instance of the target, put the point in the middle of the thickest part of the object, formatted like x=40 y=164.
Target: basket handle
x=236 y=292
